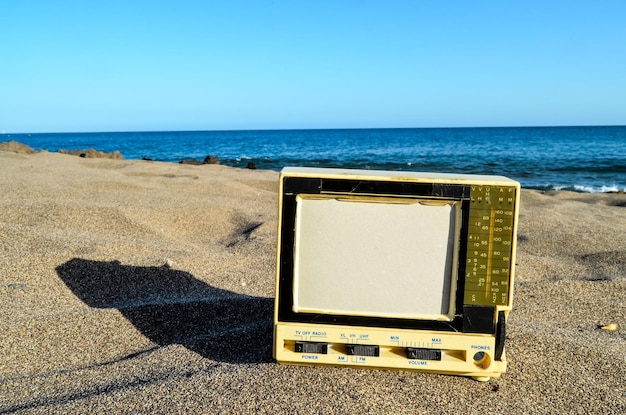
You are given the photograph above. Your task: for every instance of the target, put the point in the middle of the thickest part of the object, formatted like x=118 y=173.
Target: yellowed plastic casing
x=489 y=256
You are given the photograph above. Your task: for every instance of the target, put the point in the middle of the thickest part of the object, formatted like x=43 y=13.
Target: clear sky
x=214 y=65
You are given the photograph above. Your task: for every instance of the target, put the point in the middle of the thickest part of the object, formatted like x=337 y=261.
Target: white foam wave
x=591 y=189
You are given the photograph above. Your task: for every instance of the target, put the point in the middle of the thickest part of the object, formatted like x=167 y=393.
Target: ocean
x=583 y=159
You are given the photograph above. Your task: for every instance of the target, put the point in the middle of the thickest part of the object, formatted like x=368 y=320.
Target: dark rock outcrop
x=207 y=160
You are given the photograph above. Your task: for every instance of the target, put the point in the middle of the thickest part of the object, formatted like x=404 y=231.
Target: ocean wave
x=587 y=189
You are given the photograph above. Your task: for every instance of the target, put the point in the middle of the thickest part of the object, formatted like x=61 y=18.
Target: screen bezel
x=292 y=187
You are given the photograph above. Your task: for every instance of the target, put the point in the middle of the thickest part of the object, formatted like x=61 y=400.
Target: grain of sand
x=146 y=287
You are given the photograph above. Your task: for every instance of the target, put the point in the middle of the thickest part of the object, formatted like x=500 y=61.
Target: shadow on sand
x=172 y=307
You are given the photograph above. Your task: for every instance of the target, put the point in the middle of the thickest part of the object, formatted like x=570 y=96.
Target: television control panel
x=453 y=353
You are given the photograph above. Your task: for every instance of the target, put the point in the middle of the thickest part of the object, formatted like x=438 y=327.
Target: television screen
x=373 y=256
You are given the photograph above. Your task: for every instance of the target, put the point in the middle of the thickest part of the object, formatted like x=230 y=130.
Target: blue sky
x=70 y=66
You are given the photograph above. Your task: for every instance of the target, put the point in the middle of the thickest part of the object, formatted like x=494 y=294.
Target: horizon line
x=307 y=129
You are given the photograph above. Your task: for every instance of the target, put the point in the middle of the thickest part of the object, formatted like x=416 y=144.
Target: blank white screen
x=368 y=258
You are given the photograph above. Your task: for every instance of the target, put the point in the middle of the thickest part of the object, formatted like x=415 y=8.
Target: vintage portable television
x=398 y=270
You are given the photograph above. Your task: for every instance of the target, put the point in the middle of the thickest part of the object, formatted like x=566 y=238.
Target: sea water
x=586 y=159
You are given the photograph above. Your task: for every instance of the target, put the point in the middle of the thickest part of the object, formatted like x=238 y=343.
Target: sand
x=147 y=287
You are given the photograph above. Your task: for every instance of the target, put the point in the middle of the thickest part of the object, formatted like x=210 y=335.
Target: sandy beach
x=132 y=286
